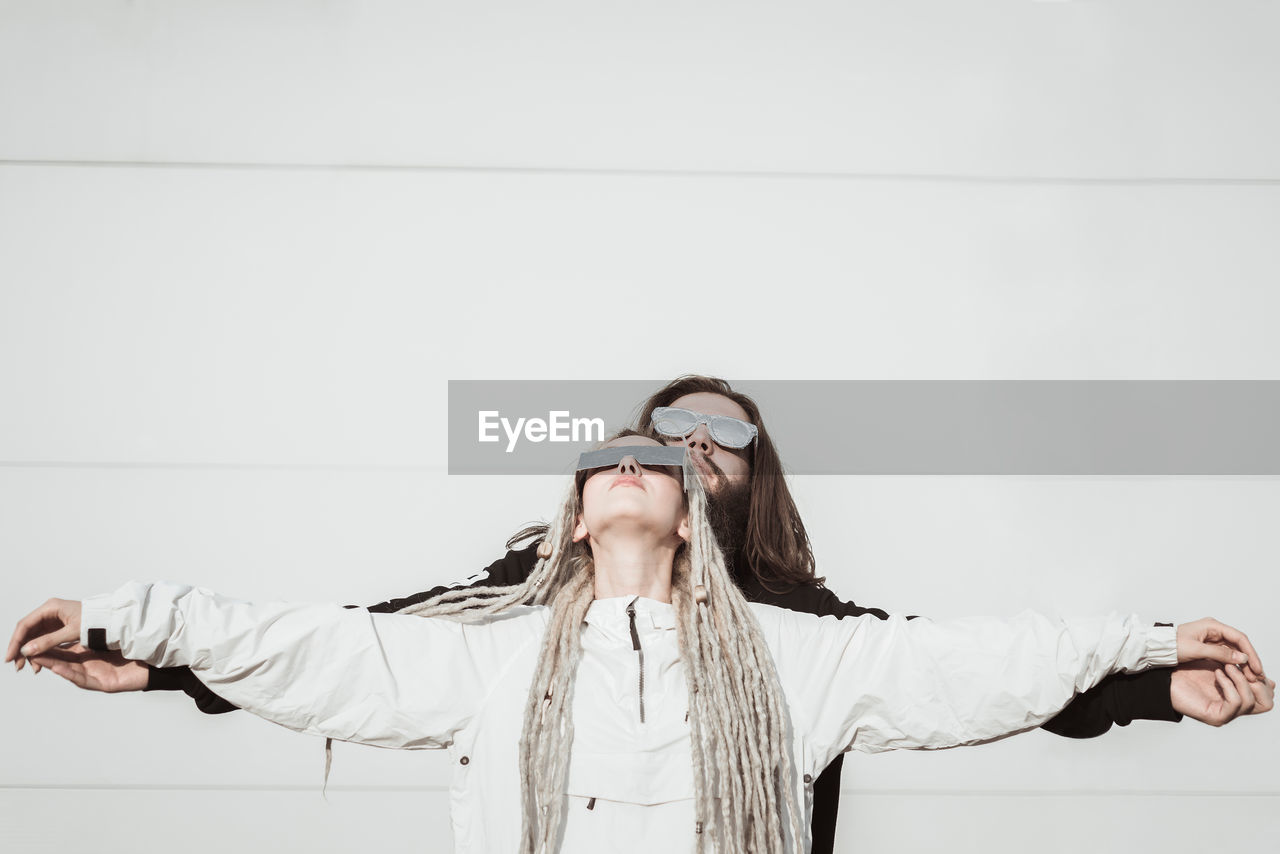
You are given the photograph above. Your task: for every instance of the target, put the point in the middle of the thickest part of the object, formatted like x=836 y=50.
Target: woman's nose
x=628 y=465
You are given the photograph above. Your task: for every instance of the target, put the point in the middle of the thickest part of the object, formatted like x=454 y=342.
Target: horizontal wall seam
x=390 y=468
x=906 y=177
x=856 y=792
x=344 y=467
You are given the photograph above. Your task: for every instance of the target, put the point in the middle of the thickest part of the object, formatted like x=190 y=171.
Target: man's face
x=721 y=467
x=726 y=471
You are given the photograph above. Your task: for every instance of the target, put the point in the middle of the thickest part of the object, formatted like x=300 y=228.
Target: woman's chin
x=623 y=528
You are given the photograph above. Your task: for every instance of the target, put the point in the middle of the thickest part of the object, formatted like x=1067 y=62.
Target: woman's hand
x=54 y=623
x=1211 y=640
x=109 y=672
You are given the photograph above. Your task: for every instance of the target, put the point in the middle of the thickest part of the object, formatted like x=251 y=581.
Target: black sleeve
x=510 y=569
x=1121 y=699
x=513 y=568
x=1117 y=699
x=826 y=806
x=182 y=679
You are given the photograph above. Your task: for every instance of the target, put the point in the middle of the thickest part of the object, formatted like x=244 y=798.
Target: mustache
x=709 y=463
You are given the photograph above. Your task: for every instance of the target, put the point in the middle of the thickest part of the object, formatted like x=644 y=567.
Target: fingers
x=29 y=626
x=1212 y=652
x=1199 y=636
x=1243 y=690
x=1230 y=698
x=73 y=652
x=1265 y=691
x=1240 y=641
x=44 y=643
x=71 y=671
x=53 y=616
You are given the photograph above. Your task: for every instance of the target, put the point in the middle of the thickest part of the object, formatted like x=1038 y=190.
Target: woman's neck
x=633 y=569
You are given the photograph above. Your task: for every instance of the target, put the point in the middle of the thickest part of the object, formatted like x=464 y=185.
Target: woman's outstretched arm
x=874 y=685
x=513 y=568
x=382 y=679
x=1159 y=694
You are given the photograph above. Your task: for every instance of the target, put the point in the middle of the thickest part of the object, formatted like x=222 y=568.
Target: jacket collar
x=650 y=613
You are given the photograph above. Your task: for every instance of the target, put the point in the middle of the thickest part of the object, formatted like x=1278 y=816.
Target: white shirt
x=401 y=681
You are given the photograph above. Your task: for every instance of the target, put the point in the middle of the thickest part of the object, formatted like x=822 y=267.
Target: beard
x=728 y=509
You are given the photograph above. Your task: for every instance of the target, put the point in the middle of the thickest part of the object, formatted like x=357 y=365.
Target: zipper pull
x=635 y=636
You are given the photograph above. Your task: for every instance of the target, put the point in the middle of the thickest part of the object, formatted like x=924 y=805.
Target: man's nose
x=700 y=440
x=628 y=465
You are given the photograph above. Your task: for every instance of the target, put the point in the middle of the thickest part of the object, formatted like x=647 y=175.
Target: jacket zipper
x=635 y=644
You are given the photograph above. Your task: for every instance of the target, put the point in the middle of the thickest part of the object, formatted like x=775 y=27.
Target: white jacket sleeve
x=383 y=679
x=873 y=685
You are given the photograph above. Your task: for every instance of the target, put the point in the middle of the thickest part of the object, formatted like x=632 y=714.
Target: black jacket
x=1118 y=699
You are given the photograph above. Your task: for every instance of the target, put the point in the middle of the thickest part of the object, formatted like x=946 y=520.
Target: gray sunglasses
x=725 y=430
x=646 y=455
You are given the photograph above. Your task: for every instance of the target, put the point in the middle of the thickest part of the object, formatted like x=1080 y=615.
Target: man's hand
x=54 y=623
x=109 y=672
x=1211 y=640
x=1217 y=694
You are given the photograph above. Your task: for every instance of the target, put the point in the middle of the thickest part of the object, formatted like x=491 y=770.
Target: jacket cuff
x=1145 y=697
x=96 y=631
x=1162 y=647
x=164 y=678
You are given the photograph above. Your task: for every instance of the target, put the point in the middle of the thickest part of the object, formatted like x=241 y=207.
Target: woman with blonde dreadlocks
x=639 y=702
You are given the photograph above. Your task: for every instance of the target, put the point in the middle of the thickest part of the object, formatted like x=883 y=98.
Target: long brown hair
x=775 y=548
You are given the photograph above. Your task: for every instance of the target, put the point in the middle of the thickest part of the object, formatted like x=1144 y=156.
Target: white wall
x=243 y=246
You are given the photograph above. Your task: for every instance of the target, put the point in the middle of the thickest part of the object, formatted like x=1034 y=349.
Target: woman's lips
x=626 y=480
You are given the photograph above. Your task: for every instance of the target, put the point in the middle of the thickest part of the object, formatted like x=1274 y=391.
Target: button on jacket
x=392 y=680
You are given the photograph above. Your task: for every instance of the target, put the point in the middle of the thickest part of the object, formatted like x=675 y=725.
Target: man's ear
x=579 y=530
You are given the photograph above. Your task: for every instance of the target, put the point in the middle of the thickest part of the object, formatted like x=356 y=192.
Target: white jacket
x=399 y=681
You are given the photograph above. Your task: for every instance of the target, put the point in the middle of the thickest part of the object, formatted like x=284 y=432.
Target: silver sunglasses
x=725 y=430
